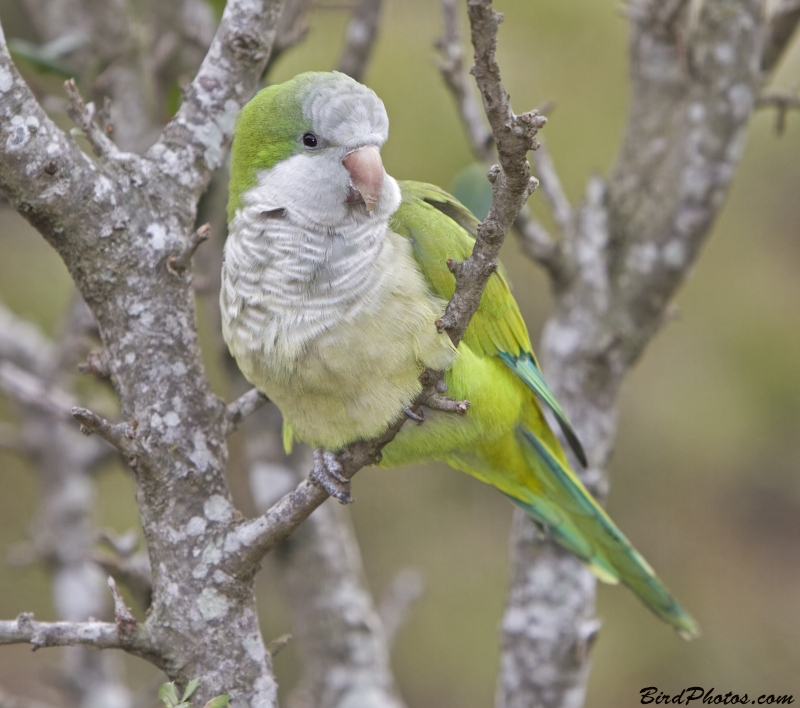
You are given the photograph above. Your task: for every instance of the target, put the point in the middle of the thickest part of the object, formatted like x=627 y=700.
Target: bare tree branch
x=552 y=189
x=781 y=27
x=247 y=404
x=9 y=701
x=31 y=390
x=179 y=263
x=782 y=102
x=97 y=635
x=121 y=435
x=133 y=572
x=146 y=319
x=402 y=594
x=634 y=240
x=360 y=38
x=511 y=181
x=62 y=535
x=452 y=69
x=194 y=142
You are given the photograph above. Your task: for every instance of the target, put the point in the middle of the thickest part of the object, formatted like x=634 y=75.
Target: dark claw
x=416 y=417
x=327 y=473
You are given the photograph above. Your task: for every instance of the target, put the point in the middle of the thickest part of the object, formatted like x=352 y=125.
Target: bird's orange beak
x=366 y=176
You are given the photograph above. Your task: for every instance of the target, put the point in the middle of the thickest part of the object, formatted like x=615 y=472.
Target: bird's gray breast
x=284 y=284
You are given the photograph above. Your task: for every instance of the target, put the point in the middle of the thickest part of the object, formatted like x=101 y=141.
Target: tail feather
x=578 y=523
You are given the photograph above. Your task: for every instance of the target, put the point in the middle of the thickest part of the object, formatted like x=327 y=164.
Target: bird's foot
x=416 y=417
x=327 y=473
x=444 y=403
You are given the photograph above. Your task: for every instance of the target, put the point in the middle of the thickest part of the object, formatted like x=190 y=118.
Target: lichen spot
x=212 y=605
x=6 y=79
x=158 y=236
x=196 y=526
x=217 y=508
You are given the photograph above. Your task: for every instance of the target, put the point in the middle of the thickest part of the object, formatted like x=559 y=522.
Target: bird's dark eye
x=310 y=140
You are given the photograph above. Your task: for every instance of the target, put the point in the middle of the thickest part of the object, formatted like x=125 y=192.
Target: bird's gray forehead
x=347 y=112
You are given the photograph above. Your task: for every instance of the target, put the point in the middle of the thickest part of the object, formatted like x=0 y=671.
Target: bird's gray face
x=349 y=127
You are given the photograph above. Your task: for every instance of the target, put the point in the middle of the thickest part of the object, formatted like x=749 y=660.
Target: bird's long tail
x=578 y=523
x=542 y=484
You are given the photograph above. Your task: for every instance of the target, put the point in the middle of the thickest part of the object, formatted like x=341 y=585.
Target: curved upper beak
x=366 y=175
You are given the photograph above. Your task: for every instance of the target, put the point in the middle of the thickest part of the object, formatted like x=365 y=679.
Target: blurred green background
x=705 y=475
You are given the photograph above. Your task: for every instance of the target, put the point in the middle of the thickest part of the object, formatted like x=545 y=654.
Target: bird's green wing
x=439 y=227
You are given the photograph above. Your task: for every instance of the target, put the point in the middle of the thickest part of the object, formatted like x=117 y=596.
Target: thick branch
x=695 y=80
x=360 y=38
x=195 y=141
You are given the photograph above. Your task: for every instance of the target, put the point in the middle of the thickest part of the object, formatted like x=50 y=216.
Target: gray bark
x=625 y=253
x=115 y=222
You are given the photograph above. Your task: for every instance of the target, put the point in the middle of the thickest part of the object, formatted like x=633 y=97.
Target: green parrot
x=333 y=276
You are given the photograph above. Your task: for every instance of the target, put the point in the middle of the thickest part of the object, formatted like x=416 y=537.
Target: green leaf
x=168 y=695
x=218 y=702
x=191 y=687
x=48 y=57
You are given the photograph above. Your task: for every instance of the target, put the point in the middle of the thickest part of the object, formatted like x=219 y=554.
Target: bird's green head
x=323 y=119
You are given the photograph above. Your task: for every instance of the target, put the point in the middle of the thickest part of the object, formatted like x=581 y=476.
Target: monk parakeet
x=334 y=274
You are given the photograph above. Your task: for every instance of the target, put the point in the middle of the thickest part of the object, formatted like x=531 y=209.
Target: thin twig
x=292 y=29
x=451 y=67
x=553 y=190
x=132 y=572
x=512 y=183
x=540 y=245
x=100 y=635
x=278 y=644
x=31 y=390
x=85 y=117
x=178 y=264
x=123 y=617
x=403 y=593
x=360 y=38
x=245 y=405
x=121 y=435
x=97 y=364
x=782 y=102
